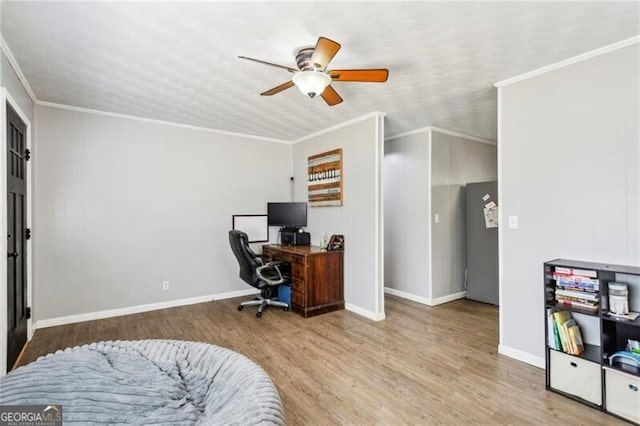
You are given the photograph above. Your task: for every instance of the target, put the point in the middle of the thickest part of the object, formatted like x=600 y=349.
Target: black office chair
x=253 y=272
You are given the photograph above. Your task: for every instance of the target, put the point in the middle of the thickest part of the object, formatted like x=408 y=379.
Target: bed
x=148 y=382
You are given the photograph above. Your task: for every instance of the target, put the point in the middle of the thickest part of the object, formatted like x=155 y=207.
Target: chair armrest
x=269 y=266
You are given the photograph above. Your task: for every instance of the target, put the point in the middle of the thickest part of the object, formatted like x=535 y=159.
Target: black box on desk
x=295 y=238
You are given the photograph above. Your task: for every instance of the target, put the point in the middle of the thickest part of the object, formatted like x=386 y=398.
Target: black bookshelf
x=593 y=363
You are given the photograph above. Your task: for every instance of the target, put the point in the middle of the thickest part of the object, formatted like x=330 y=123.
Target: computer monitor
x=288 y=215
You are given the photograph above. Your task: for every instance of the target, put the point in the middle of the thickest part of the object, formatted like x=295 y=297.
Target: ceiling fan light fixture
x=311 y=83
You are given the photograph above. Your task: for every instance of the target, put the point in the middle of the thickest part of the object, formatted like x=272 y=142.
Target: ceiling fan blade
x=324 y=52
x=368 y=76
x=330 y=96
x=278 y=89
x=268 y=63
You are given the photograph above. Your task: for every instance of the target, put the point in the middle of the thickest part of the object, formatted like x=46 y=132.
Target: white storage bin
x=576 y=376
x=623 y=394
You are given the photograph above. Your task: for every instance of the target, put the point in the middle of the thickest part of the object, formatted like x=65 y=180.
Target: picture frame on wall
x=325 y=178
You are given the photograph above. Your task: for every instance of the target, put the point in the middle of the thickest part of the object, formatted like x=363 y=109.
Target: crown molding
x=159 y=122
x=409 y=133
x=570 y=61
x=463 y=136
x=341 y=125
x=444 y=132
x=14 y=64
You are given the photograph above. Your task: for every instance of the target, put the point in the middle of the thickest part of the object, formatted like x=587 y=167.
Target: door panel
x=16 y=237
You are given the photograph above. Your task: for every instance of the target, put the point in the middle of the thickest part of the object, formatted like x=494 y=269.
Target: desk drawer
x=285 y=257
x=576 y=376
x=297 y=285
x=298 y=298
x=298 y=271
x=300 y=260
x=623 y=394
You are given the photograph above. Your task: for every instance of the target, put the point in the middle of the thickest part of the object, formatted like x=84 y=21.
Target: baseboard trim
x=426 y=300
x=448 y=298
x=522 y=356
x=91 y=316
x=232 y=294
x=408 y=296
x=365 y=313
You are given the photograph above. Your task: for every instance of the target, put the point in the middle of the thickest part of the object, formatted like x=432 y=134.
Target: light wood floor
x=422 y=365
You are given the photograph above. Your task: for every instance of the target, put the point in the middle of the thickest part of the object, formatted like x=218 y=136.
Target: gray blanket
x=164 y=382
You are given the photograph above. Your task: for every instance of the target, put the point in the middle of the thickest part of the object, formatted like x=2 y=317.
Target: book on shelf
x=556 y=337
x=578 y=302
x=589 y=307
x=585 y=272
x=576 y=282
x=552 y=331
x=578 y=295
x=575 y=337
x=579 y=292
x=575 y=272
x=577 y=285
x=568 y=332
x=560 y=317
x=578 y=298
x=565 y=327
x=550 y=340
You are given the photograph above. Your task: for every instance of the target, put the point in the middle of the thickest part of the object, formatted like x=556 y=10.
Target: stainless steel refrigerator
x=482 y=242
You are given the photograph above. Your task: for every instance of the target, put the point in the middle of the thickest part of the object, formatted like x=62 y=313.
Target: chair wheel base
x=262 y=304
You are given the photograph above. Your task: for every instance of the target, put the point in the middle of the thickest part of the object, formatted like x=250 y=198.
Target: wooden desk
x=316 y=277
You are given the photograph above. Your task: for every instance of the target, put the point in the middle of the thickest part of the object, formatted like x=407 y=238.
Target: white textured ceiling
x=178 y=61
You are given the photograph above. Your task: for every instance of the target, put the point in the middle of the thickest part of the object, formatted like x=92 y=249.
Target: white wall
x=455 y=161
x=123 y=205
x=406 y=215
x=569 y=154
x=360 y=217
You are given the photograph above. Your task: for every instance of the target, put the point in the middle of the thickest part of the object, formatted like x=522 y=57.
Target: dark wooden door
x=16 y=236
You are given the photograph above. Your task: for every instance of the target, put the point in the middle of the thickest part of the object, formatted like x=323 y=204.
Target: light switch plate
x=513 y=222
x=436 y=218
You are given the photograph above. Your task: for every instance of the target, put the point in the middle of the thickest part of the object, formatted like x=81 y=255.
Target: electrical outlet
x=165 y=286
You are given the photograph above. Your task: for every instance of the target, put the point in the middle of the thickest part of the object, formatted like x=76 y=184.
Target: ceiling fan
x=312 y=76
